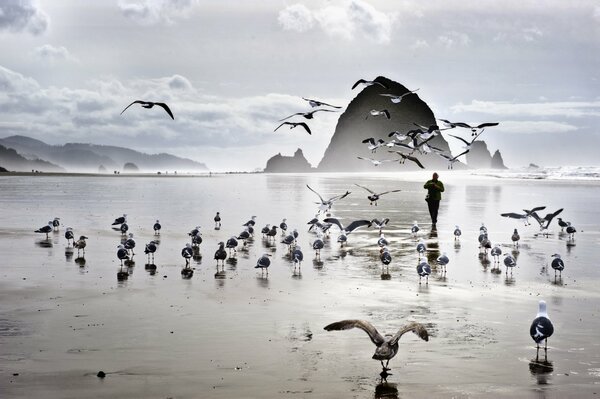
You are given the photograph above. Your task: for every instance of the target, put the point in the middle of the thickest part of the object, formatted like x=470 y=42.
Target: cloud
x=534 y=127
x=22 y=15
x=570 y=109
x=296 y=17
x=532 y=34
x=419 y=44
x=345 y=20
x=453 y=39
x=152 y=12
x=52 y=54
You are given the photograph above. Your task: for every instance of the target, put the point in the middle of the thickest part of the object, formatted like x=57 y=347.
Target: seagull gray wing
x=417 y=328
x=487 y=124
x=537 y=208
x=460 y=138
x=459 y=155
x=415 y=160
x=363 y=187
x=513 y=215
x=462 y=124
x=380 y=84
x=370 y=140
x=324 y=110
x=320 y=102
x=288 y=117
x=403 y=146
x=338 y=197
x=334 y=221
x=305 y=126
x=534 y=215
x=357 y=83
x=391 y=95
x=367 y=327
x=135 y=102
x=284 y=123
x=321 y=198
x=356 y=224
x=387 y=192
x=166 y=108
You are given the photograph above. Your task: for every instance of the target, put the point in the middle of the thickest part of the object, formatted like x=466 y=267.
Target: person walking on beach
x=434 y=188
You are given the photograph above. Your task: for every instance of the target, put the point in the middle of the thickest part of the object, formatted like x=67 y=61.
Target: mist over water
x=241 y=335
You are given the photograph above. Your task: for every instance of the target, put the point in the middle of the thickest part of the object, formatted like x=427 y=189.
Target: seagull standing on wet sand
x=221 y=254
x=157 y=227
x=149 y=250
x=263 y=263
x=217 y=220
x=150 y=104
x=120 y=220
x=387 y=346
x=70 y=236
x=46 y=229
x=56 y=223
x=81 y=244
x=515 y=238
x=541 y=328
x=557 y=264
x=457 y=232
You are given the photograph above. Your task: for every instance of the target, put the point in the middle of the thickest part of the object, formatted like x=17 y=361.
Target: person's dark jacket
x=435 y=188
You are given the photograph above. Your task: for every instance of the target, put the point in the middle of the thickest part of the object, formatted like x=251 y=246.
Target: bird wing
x=487 y=124
x=551 y=216
x=448 y=157
x=387 y=192
x=321 y=198
x=370 y=140
x=166 y=108
x=462 y=124
x=537 y=208
x=403 y=145
x=386 y=113
x=324 y=110
x=357 y=83
x=415 y=160
x=284 y=123
x=363 y=187
x=366 y=159
x=380 y=84
x=367 y=327
x=334 y=221
x=461 y=154
x=135 y=102
x=390 y=95
x=356 y=224
x=409 y=92
x=534 y=215
x=460 y=138
x=340 y=196
x=288 y=117
x=305 y=126
x=513 y=215
x=415 y=327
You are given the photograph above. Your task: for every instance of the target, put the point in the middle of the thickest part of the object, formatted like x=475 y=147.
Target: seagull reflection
x=509 y=280
x=232 y=263
x=385 y=390
x=80 y=261
x=44 y=243
x=541 y=370
x=318 y=263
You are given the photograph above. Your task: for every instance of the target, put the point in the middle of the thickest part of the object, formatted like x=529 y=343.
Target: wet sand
x=240 y=335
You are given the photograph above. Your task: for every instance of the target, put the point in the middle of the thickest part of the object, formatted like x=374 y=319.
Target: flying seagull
x=451 y=160
x=325 y=205
x=525 y=216
x=467 y=143
x=348 y=229
x=376 y=162
x=316 y=103
x=373 y=145
x=368 y=83
x=307 y=115
x=294 y=124
x=404 y=157
x=375 y=112
x=150 y=104
x=545 y=221
x=387 y=346
x=396 y=99
x=374 y=197
x=474 y=129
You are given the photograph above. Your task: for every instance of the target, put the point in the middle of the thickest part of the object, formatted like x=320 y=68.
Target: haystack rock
x=497 y=161
x=479 y=157
x=354 y=126
x=284 y=164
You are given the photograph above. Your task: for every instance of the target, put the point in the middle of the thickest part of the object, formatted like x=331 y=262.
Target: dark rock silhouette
x=352 y=128
x=2 y=170
x=130 y=167
x=101 y=169
x=293 y=164
x=87 y=157
x=497 y=161
x=10 y=158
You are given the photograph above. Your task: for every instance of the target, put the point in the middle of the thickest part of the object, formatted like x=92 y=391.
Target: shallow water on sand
x=238 y=334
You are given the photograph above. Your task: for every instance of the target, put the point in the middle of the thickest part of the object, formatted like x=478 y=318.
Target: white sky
x=230 y=69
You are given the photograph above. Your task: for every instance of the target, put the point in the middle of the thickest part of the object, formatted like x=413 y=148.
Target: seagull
x=571 y=231
x=120 y=220
x=157 y=227
x=283 y=226
x=373 y=145
x=244 y=236
x=450 y=125
x=80 y=244
x=562 y=224
x=374 y=197
x=187 y=252
x=496 y=252
x=307 y=115
x=263 y=263
x=457 y=232
x=318 y=244
x=541 y=328
x=404 y=157
x=557 y=264
x=289 y=240
x=368 y=83
x=70 y=236
x=474 y=129
x=272 y=232
x=546 y=220
x=150 y=250
x=398 y=136
x=383 y=112
x=515 y=237
x=325 y=205
x=421 y=248
x=423 y=270
x=46 y=229
x=435 y=129
x=297 y=257
x=443 y=260
x=509 y=261
x=386 y=258
x=382 y=241
x=376 y=162
x=56 y=223
x=250 y=222
x=316 y=103
x=387 y=346
x=395 y=98
x=124 y=227
x=380 y=224
x=415 y=228
x=294 y=124
x=150 y=104
x=452 y=160
x=217 y=220
x=122 y=254
x=231 y=244
x=345 y=231
x=130 y=244
x=221 y=254
x=265 y=229
x=468 y=144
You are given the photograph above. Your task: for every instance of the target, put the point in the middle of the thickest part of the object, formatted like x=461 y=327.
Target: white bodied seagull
x=368 y=83
x=376 y=162
x=150 y=104
x=345 y=231
x=325 y=205
x=541 y=328
x=387 y=346
x=397 y=98
x=404 y=157
x=307 y=115
x=295 y=124
x=373 y=145
x=468 y=144
x=316 y=103
x=376 y=112
x=373 y=197
x=451 y=160
x=474 y=129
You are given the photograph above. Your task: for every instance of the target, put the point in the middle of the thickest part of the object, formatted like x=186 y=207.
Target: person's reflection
x=433 y=247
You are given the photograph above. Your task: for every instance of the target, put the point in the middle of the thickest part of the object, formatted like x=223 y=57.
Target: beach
x=239 y=334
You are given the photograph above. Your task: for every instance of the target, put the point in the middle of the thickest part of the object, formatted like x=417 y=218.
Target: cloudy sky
x=231 y=69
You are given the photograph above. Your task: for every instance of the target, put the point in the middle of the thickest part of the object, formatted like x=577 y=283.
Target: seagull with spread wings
x=150 y=104
x=467 y=143
x=404 y=157
x=375 y=112
x=345 y=231
x=307 y=115
x=373 y=197
x=373 y=145
x=451 y=160
x=376 y=162
x=295 y=124
x=397 y=98
x=325 y=205
x=316 y=103
x=368 y=83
